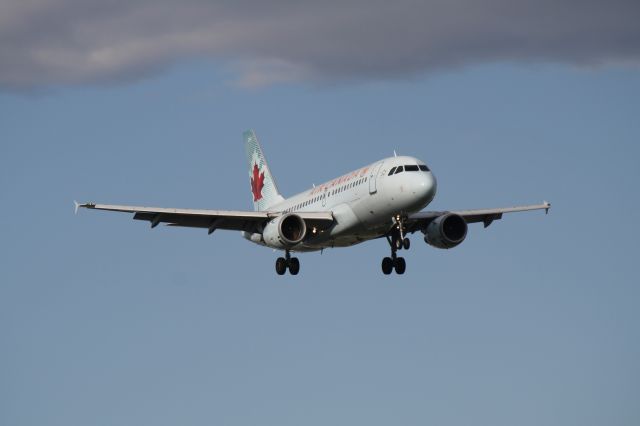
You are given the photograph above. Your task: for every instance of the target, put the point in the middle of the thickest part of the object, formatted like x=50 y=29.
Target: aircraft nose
x=425 y=187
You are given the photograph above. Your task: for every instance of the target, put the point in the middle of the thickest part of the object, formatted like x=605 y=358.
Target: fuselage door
x=373 y=177
x=324 y=198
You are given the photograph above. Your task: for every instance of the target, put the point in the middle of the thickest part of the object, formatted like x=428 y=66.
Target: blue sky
x=531 y=321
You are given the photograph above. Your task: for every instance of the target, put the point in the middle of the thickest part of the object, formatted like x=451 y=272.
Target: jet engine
x=446 y=231
x=285 y=231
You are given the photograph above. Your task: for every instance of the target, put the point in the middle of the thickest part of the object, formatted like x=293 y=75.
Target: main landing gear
x=397 y=241
x=282 y=263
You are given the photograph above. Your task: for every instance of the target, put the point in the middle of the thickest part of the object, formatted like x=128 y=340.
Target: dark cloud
x=49 y=42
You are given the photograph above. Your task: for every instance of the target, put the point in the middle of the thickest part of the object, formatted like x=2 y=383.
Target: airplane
x=381 y=200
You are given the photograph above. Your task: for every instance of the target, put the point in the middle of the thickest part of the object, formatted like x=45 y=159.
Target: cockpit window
x=423 y=167
x=393 y=169
x=411 y=168
x=399 y=169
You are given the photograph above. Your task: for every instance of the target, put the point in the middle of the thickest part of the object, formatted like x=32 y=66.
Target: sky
x=532 y=321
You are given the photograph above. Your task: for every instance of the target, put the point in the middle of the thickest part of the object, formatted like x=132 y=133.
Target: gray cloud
x=51 y=42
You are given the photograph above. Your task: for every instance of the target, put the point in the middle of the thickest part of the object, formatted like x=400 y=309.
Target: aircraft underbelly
x=349 y=229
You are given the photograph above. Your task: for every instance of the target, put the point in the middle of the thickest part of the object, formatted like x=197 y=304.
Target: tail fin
x=263 y=186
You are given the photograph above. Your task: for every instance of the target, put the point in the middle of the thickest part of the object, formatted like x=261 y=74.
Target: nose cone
x=425 y=187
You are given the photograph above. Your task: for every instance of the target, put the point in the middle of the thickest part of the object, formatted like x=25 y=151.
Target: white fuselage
x=363 y=202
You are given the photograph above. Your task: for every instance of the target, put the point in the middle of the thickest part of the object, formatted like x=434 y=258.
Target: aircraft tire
x=294 y=266
x=387 y=265
x=400 y=265
x=281 y=265
x=406 y=243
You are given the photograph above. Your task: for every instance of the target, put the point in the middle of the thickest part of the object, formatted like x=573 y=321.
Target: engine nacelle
x=446 y=231
x=285 y=231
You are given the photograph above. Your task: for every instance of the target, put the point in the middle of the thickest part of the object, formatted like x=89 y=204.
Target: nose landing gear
x=394 y=262
x=397 y=241
x=292 y=263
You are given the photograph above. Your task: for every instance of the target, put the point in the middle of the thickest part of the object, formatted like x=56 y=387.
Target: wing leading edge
x=420 y=220
x=250 y=221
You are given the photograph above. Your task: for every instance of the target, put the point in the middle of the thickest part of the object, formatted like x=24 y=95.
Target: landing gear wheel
x=398 y=243
x=294 y=266
x=406 y=243
x=281 y=265
x=387 y=265
x=400 y=265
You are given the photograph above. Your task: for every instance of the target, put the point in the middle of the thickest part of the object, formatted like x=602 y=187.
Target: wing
x=420 y=220
x=249 y=221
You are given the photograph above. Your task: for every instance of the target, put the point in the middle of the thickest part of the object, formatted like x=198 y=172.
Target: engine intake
x=285 y=231
x=446 y=231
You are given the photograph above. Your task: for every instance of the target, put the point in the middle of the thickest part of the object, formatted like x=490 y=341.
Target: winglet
x=77 y=205
x=548 y=206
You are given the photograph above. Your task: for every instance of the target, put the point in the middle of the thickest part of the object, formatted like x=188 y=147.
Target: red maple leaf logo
x=257 y=183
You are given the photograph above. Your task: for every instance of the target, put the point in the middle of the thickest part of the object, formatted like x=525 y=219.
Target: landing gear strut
x=397 y=241
x=292 y=263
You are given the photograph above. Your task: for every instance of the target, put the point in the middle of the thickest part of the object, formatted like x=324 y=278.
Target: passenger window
x=399 y=170
x=411 y=168
x=393 y=169
x=423 y=167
